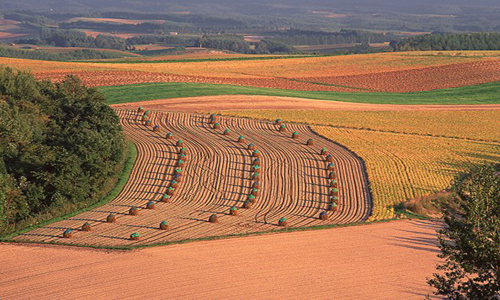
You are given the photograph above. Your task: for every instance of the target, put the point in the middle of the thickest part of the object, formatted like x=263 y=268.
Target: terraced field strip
x=216 y=177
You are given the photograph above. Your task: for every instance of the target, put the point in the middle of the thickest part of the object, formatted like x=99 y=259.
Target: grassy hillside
x=479 y=94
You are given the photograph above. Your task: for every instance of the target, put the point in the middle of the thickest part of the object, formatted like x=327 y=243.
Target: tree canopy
x=58 y=145
x=470 y=239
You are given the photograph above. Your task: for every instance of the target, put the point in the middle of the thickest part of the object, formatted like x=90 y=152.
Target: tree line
x=83 y=54
x=449 y=41
x=59 y=145
x=344 y=36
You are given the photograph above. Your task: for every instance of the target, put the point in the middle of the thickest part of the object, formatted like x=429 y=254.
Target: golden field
x=480 y=125
x=403 y=166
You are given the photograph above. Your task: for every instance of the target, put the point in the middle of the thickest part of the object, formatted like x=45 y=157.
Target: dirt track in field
x=238 y=102
x=380 y=261
x=294 y=183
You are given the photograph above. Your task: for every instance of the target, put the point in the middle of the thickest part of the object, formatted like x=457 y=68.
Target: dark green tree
x=470 y=239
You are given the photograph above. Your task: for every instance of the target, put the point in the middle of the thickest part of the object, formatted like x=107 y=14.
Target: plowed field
x=380 y=261
x=217 y=175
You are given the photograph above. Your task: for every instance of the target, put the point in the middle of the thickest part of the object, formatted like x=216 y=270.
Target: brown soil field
x=294 y=183
x=427 y=79
x=379 y=261
x=109 y=78
x=392 y=72
x=8 y=35
x=93 y=33
x=252 y=102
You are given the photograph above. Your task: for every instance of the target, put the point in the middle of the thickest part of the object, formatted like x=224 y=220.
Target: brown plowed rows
x=111 y=78
x=425 y=79
x=293 y=183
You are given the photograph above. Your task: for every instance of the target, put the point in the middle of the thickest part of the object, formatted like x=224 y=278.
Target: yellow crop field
x=409 y=164
x=289 y=68
x=402 y=166
x=463 y=124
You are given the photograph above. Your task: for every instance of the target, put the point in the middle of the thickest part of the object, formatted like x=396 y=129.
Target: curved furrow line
x=294 y=182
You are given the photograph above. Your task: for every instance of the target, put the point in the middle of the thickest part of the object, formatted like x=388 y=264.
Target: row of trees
x=83 y=54
x=344 y=36
x=59 y=145
x=75 y=38
x=449 y=41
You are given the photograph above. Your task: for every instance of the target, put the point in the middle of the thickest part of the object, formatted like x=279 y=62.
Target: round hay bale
x=255 y=192
x=256 y=184
x=283 y=222
x=330 y=167
x=164 y=225
x=247 y=204
x=174 y=184
x=145 y=118
x=156 y=128
x=170 y=191
x=256 y=162
x=332 y=175
x=68 y=233
x=111 y=218
x=256 y=176
x=256 y=168
x=179 y=163
x=251 y=146
x=213 y=219
x=212 y=118
x=233 y=211
x=140 y=110
x=310 y=142
x=329 y=158
x=148 y=123
x=178 y=178
x=133 y=211
x=323 y=216
x=178 y=171
x=278 y=122
x=216 y=126
x=323 y=151
x=150 y=205
x=165 y=198
x=183 y=150
x=334 y=192
x=169 y=136
x=251 y=198
x=135 y=236
x=147 y=112
x=295 y=135
x=332 y=207
x=179 y=143
x=282 y=128
x=86 y=227
x=241 y=139
x=256 y=153
x=333 y=183
x=183 y=156
x=334 y=199
x=227 y=131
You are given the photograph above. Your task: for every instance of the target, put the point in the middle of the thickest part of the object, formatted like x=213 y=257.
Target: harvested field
x=111 y=78
x=380 y=261
x=426 y=79
x=392 y=72
x=415 y=162
x=114 y=20
x=438 y=120
x=267 y=106
x=294 y=183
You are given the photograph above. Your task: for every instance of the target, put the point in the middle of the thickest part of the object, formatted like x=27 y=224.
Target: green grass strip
x=477 y=94
x=125 y=175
